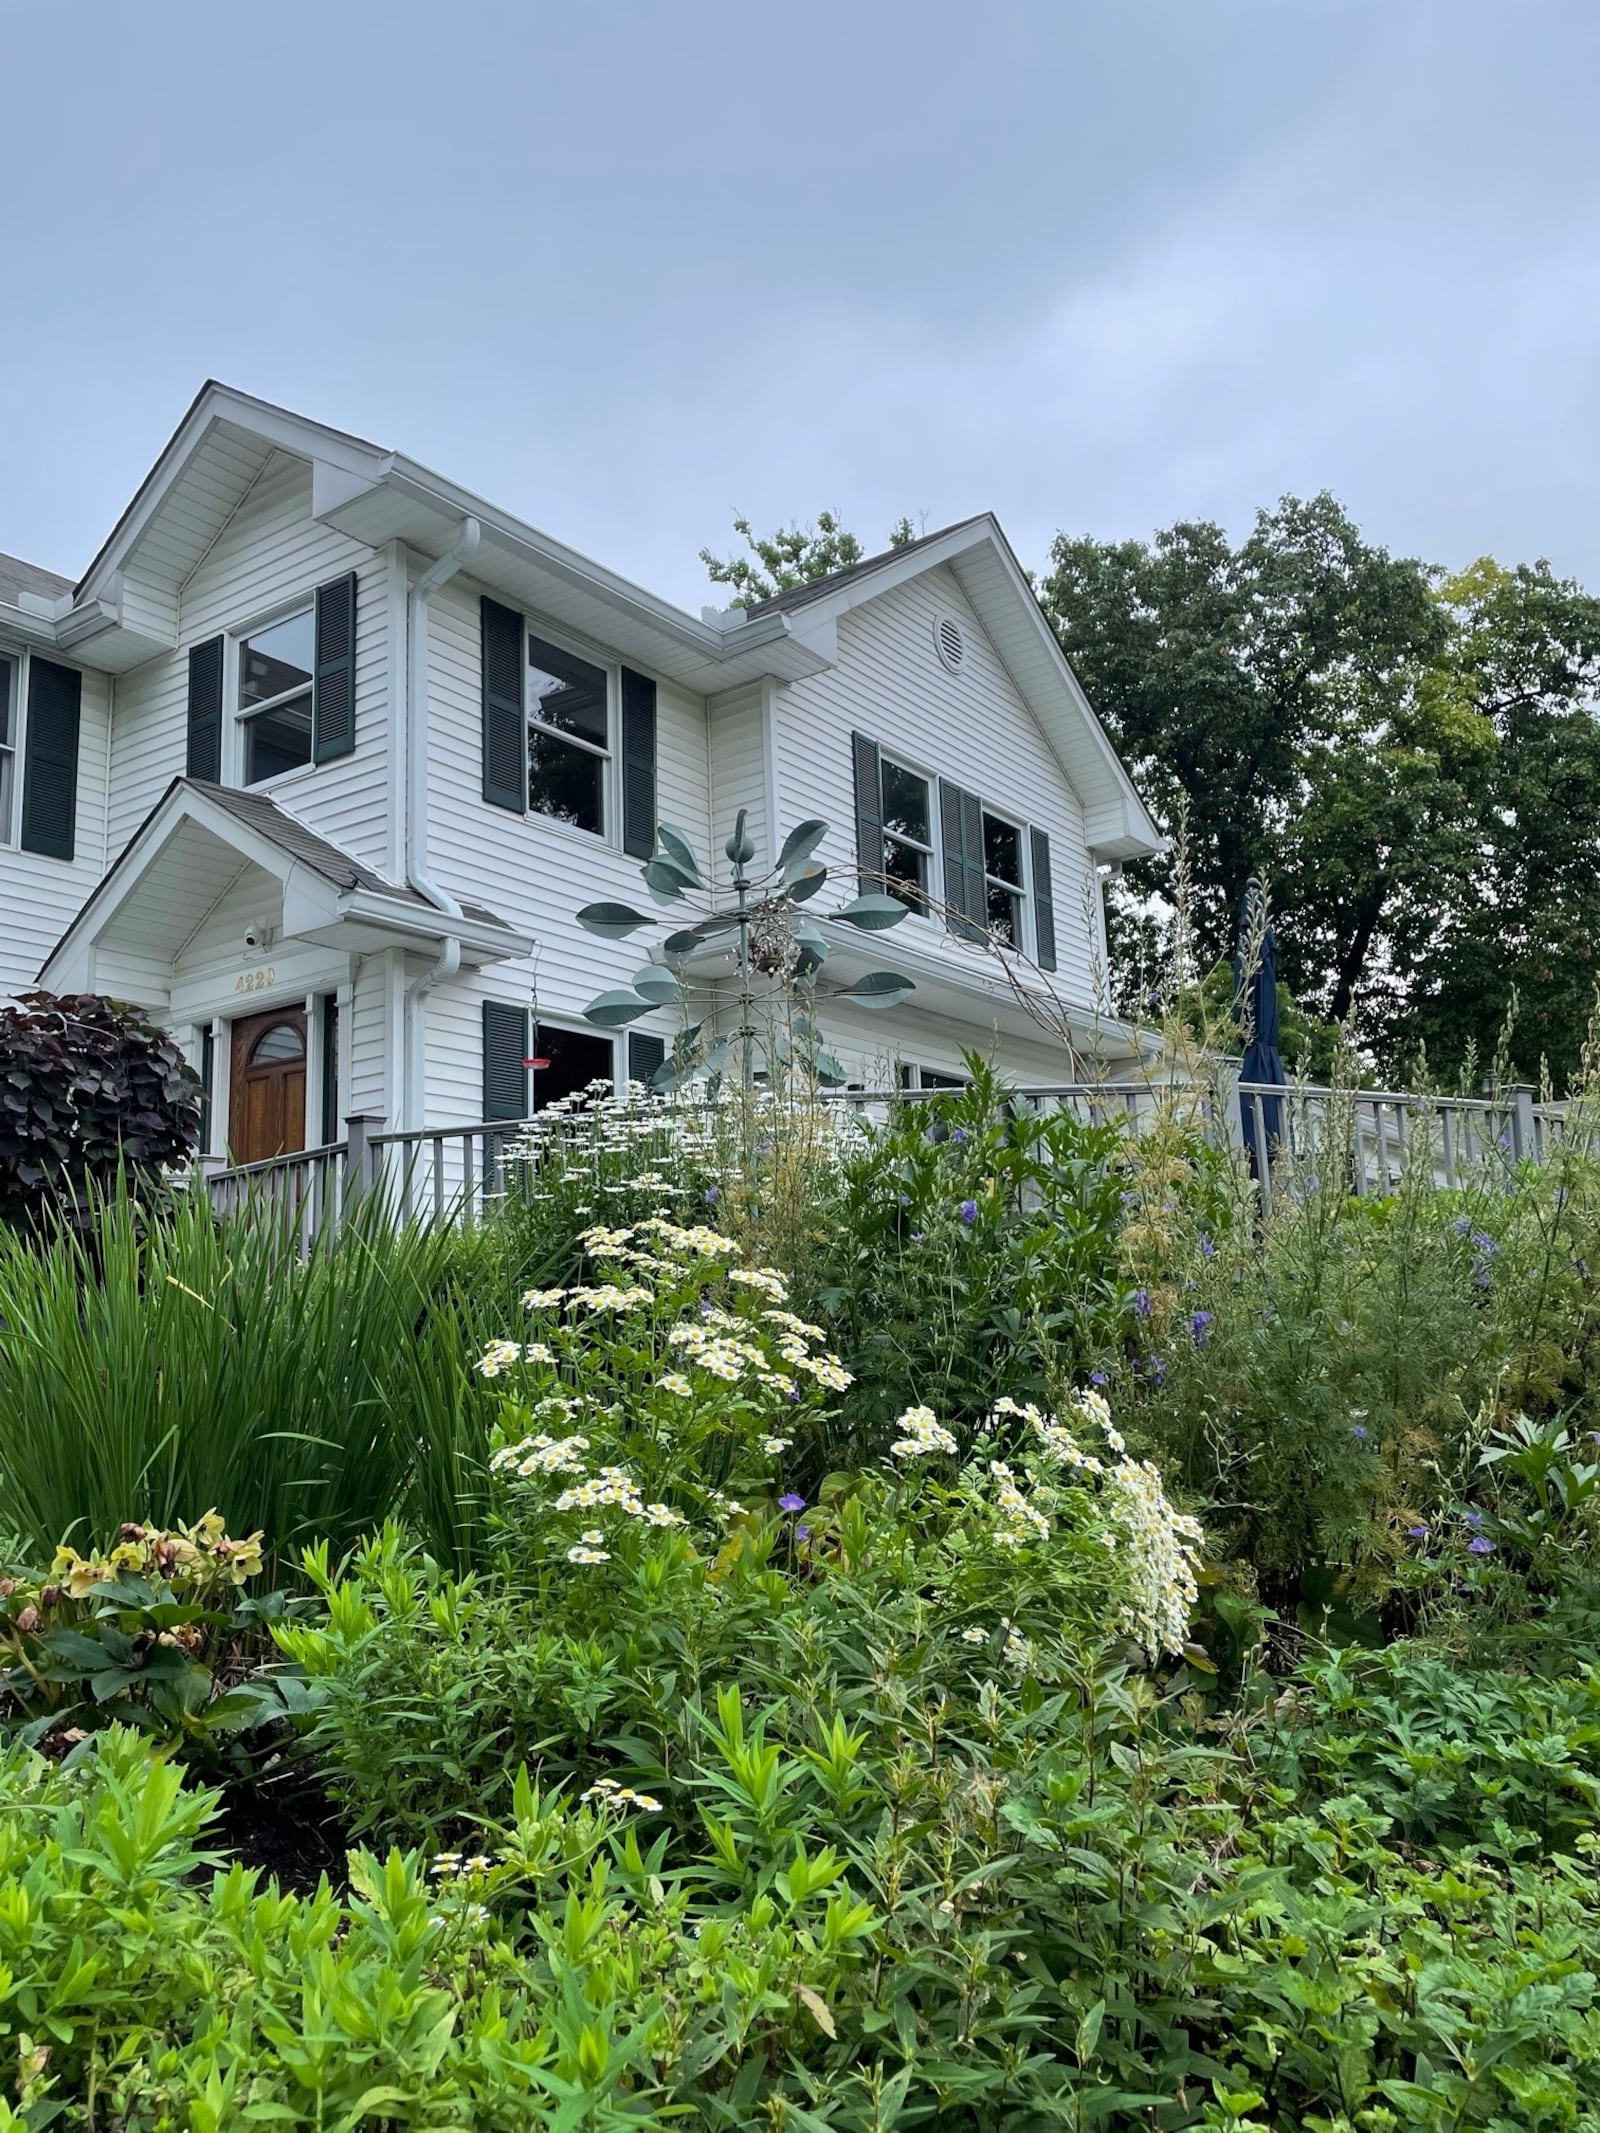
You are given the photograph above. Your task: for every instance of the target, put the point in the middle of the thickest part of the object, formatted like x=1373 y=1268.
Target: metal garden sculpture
x=768 y=927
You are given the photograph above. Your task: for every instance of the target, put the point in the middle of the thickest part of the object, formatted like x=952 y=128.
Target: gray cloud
x=624 y=268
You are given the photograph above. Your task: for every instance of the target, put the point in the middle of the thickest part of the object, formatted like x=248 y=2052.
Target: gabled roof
x=124 y=609
x=263 y=814
x=194 y=842
x=855 y=573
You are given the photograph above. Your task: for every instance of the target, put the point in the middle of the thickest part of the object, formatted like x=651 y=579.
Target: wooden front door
x=267 y=1086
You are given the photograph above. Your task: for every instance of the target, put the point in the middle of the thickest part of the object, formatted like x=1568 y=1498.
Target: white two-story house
x=318 y=758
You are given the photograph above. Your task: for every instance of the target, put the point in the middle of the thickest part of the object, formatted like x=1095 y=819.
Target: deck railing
x=1369 y=1138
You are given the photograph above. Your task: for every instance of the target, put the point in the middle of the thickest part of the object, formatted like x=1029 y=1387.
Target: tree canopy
x=1411 y=759
x=794 y=555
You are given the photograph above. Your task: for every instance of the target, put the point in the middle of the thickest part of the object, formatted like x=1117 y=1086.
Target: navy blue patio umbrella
x=1255 y=1007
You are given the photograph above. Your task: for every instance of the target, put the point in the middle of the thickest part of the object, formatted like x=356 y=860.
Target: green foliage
x=971 y=1254
x=792 y=556
x=89 y=1091
x=152 y=1369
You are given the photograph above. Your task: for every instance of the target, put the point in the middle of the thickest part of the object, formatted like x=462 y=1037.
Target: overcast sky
x=623 y=269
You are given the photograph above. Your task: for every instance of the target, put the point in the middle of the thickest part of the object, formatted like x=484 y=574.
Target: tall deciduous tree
x=794 y=555
x=1270 y=689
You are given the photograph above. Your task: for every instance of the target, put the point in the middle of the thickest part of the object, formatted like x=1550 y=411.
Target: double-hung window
x=1002 y=879
x=569 y=738
x=10 y=719
x=907 y=835
x=277 y=668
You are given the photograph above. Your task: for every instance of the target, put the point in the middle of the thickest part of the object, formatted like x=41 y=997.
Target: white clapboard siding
x=529 y=870
x=739 y=775
x=39 y=897
x=971 y=727
x=270 y=553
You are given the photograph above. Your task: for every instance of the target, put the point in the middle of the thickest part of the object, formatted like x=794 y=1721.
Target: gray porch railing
x=1370 y=1138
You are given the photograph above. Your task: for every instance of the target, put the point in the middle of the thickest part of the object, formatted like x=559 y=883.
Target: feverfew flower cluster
x=541 y=1454
x=612 y=1488
x=921 y=1432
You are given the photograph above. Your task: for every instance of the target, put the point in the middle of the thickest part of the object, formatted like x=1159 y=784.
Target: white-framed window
x=274 y=673
x=922 y=1077
x=1005 y=886
x=906 y=797
x=571 y=732
x=10 y=745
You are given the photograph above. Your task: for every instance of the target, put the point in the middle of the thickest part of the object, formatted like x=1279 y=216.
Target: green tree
x=1522 y=668
x=793 y=555
x=1271 y=690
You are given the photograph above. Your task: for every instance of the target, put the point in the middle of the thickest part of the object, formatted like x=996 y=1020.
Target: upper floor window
x=9 y=719
x=907 y=835
x=569 y=737
x=1002 y=872
x=277 y=667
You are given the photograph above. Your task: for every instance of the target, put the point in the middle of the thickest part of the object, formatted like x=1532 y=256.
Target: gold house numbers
x=255 y=980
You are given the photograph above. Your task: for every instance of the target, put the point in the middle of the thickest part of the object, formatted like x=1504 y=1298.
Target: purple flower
x=793 y=1392
x=1157 y=1369
x=1416 y=1533
x=1141 y=1303
x=1098 y=1377
x=1479 y=1546
x=1359 y=1433
x=1483 y=1244
x=713 y=1195
x=1461 y=1225
x=791 y=1502
x=802 y=1533
x=1473 y=1518
x=1207 y=1249
x=959 y=1136
x=968 y=1211
x=1200 y=1327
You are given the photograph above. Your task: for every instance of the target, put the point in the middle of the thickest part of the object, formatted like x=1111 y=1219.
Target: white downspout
x=449 y=962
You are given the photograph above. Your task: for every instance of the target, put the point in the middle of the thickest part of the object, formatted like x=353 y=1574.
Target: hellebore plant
x=767 y=929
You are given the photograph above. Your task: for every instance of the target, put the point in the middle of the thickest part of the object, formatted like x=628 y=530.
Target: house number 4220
x=255 y=980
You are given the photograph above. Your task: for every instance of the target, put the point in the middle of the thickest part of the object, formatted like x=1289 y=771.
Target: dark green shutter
x=505 y=1047
x=208 y=1083
x=333 y=700
x=1044 y=903
x=505 y=729
x=50 y=759
x=869 y=813
x=328 y=1015
x=638 y=764
x=961 y=836
x=204 y=759
x=646 y=1054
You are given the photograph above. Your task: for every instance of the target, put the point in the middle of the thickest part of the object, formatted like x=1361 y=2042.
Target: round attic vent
x=950 y=643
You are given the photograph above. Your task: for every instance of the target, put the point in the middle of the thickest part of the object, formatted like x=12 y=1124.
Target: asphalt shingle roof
x=19 y=577
x=819 y=588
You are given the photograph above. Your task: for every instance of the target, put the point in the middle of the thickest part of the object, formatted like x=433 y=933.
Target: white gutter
x=416 y=758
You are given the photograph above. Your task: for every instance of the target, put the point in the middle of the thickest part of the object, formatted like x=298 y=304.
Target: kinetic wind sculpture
x=767 y=927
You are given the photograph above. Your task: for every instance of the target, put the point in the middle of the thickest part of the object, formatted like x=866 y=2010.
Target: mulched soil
x=285 y=1825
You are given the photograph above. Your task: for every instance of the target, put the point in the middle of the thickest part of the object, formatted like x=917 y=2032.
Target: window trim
x=889 y=758
x=560 y=1025
x=11 y=828
x=236 y=752
x=1021 y=888
x=609 y=837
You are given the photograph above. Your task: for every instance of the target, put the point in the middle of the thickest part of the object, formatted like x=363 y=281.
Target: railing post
x=361 y=1156
x=1521 y=1124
